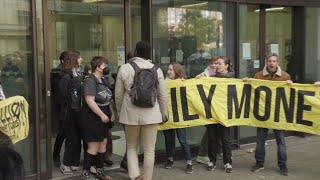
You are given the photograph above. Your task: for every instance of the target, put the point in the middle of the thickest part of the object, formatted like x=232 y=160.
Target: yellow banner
x=14 y=119
x=232 y=102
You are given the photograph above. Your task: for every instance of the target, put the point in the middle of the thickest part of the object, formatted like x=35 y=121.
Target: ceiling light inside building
x=271 y=9
x=92 y=1
x=192 y=5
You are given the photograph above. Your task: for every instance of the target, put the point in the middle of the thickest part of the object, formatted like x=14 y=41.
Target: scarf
x=212 y=70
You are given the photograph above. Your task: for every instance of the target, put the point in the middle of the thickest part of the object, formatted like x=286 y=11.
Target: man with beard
x=272 y=72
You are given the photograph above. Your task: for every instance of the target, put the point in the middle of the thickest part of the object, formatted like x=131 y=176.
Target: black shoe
x=169 y=164
x=284 y=171
x=257 y=167
x=189 y=169
x=108 y=162
x=124 y=166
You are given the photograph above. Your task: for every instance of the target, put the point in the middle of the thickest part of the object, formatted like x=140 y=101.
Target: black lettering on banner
x=302 y=107
x=206 y=100
x=233 y=99
x=23 y=109
x=288 y=107
x=267 y=105
x=184 y=104
x=7 y=113
x=15 y=109
x=2 y=117
x=174 y=104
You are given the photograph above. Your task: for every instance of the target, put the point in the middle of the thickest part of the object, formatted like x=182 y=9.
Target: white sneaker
x=66 y=169
x=228 y=168
x=75 y=169
x=203 y=159
x=93 y=170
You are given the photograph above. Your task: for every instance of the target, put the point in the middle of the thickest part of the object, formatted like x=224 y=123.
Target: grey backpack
x=144 y=89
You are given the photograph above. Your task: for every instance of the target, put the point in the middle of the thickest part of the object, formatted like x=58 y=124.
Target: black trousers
x=72 y=131
x=58 y=143
x=216 y=131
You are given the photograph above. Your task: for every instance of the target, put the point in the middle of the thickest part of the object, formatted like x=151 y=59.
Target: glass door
x=17 y=72
x=278 y=34
x=263 y=29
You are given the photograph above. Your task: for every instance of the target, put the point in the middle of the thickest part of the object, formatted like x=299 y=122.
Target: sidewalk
x=303 y=163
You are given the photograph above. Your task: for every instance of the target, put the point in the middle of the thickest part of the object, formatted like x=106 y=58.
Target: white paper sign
x=165 y=60
x=274 y=48
x=179 y=55
x=256 y=64
x=246 y=51
x=121 y=55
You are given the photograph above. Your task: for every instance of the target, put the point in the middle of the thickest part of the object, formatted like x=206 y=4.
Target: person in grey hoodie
x=216 y=131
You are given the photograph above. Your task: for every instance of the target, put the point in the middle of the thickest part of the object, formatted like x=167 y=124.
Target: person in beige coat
x=140 y=122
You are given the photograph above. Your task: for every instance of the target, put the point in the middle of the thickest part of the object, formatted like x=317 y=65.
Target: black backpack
x=144 y=89
x=74 y=90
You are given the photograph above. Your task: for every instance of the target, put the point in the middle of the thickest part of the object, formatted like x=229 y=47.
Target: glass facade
x=277 y=38
x=17 y=67
x=92 y=27
x=189 y=32
x=312 y=42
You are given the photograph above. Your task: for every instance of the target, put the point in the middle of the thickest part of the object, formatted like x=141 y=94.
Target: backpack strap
x=135 y=66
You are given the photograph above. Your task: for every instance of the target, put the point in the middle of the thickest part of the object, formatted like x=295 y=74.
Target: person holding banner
x=175 y=71
x=272 y=72
x=211 y=70
x=202 y=157
x=218 y=131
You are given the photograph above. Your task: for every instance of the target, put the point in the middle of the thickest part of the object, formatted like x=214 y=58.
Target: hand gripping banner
x=14 y=119
x=232 y=102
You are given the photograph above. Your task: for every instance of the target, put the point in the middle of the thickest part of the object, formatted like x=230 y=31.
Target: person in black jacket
x=56 y=101
x=71 y=117
x=216 y=131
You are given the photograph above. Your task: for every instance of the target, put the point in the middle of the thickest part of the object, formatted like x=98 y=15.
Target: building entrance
x=94 y=28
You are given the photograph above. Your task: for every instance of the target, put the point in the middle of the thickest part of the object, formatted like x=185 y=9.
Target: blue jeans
x=261 y=150
x=169 y=137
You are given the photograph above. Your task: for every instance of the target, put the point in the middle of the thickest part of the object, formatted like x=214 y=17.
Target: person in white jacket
x=140 y=123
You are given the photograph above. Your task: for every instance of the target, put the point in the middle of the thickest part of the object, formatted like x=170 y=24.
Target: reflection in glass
x=95 y=28
x=279 y=34
x=312 y=35
x=249 y=62
x=16 y=67
x=189 y=33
